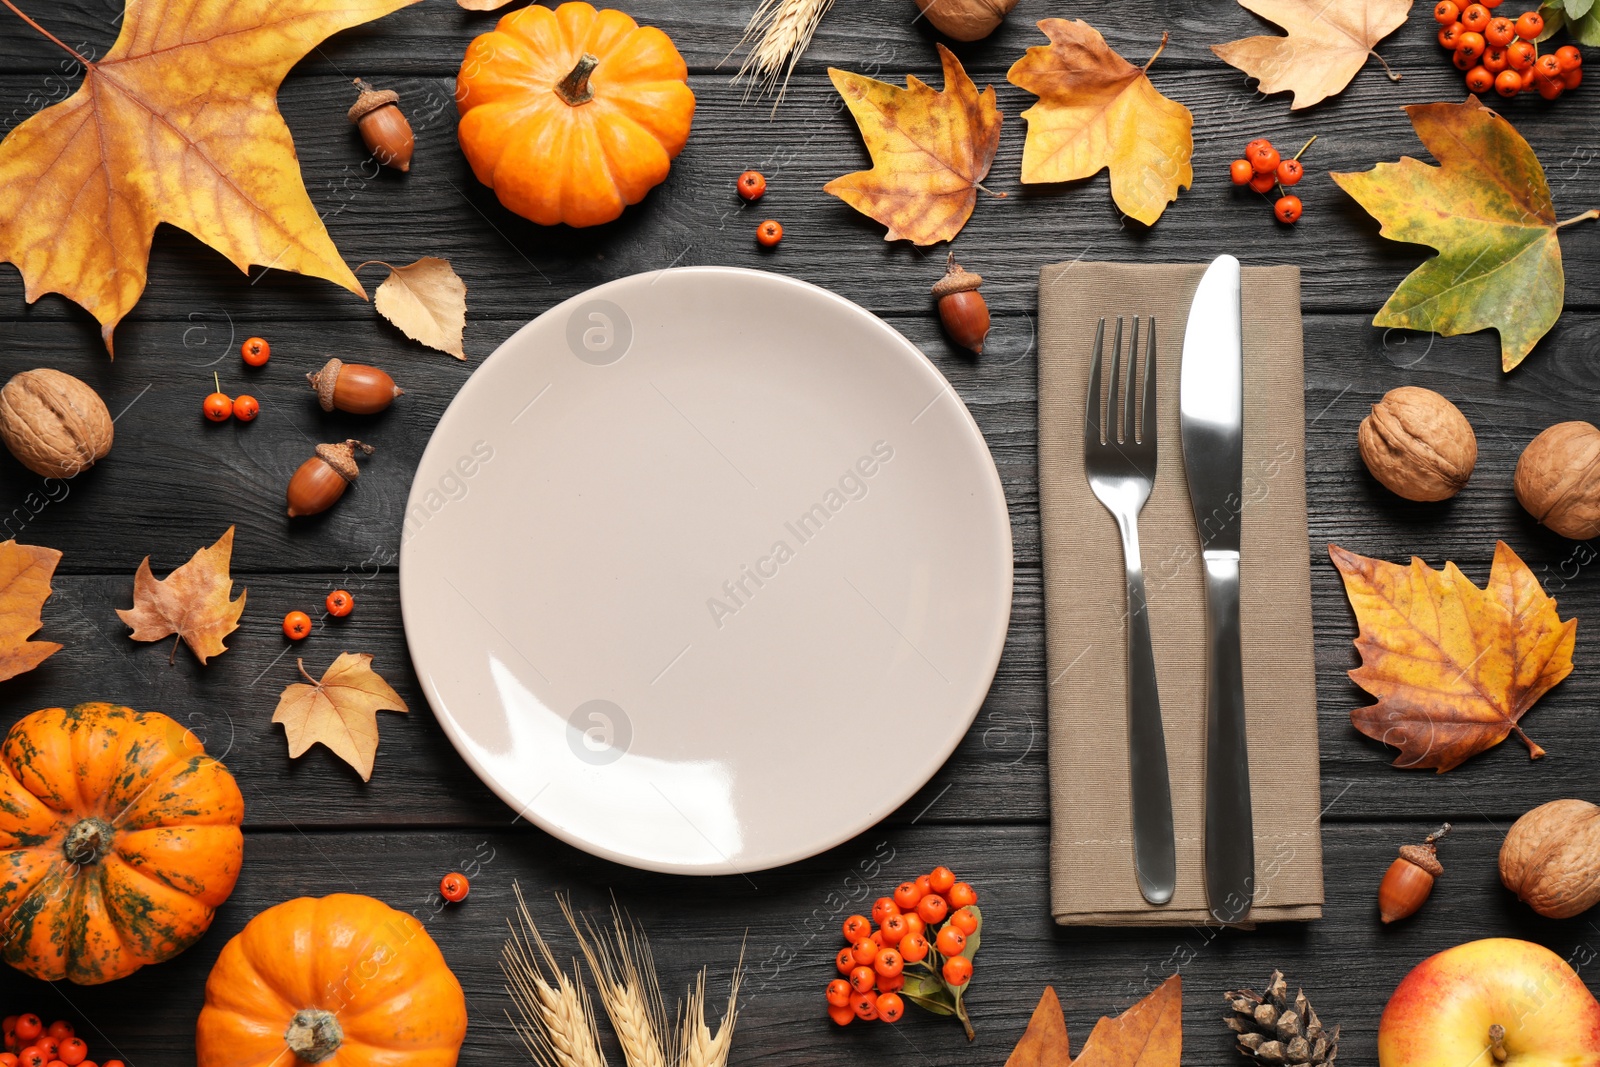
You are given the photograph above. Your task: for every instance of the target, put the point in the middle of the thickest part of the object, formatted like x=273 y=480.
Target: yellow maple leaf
x=1454 y=667
x=25 y=572
x=340 y=711
x=178 y=123
x=1096 y=110
x=191 y=602
x=930 y=150
x=1328 y=42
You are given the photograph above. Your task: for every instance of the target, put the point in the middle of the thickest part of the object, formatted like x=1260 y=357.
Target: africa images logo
x=738 y=591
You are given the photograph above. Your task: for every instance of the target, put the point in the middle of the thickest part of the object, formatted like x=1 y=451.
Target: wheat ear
x=557 y=1024
x=625 y=974
x=697 y=1047
x=781 y=31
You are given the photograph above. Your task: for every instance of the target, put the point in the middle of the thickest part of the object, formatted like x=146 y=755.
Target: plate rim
x=453 y=730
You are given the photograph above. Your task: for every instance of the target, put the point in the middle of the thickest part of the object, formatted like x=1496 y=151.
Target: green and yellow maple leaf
x=1486 y=208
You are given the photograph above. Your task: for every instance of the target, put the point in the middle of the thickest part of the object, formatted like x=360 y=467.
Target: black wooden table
x=174 y=483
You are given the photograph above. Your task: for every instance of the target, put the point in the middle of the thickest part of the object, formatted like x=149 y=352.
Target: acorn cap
x=371 y=100
x=956 y=280
x=324 y=380
x=1424 y=856
x=342 y=458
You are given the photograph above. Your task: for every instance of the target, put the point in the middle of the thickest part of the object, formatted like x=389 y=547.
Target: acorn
x=353 y=387
x=961 y=307
x=1409 y=879
x=384 y=129
x=322 y=479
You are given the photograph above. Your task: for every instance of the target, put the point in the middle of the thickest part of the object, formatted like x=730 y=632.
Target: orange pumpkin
x=344 y=981
x=119 y=838
x=573 y=114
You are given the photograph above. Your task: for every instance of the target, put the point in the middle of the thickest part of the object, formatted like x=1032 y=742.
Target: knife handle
x=1229 y=830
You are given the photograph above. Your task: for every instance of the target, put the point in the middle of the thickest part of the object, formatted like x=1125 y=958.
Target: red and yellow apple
x=1454 y=1009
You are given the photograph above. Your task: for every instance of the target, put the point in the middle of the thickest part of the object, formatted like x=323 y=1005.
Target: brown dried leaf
x=427 y=300
x=483 y=5
x=1328 y=42
x=1454 y=667
x=1149 y=1034
x=191 y=602
x=25 y=572
x=1045 y=1042
x=341 y=710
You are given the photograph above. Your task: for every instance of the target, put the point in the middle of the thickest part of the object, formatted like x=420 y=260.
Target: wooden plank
x=788 y=926
x=515 y=268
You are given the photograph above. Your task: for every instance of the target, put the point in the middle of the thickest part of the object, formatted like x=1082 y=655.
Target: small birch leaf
x=427 y=301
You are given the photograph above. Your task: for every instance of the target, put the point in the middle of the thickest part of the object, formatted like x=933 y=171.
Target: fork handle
x=1229 y=835
x=1154 y=855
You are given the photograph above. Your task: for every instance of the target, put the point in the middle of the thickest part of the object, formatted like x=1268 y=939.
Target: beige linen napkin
x=1091 y=861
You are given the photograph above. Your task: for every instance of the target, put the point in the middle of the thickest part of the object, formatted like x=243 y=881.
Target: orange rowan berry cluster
x=1262 y=169
x=924 y=926
x=1503 y=54
x=30 y=1043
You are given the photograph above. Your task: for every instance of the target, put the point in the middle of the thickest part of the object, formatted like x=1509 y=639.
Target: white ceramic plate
x=706 y=570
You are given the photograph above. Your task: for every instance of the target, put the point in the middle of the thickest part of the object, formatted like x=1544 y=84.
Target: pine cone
x=1272 y=1029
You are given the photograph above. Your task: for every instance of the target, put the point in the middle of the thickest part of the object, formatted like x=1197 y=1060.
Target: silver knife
x=1211 y=401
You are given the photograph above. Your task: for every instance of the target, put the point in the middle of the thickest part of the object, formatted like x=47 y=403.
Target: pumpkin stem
x=313 y=1035
x=87 y=842
x=575 y=88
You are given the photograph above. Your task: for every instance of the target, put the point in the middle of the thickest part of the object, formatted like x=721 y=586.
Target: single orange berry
x=1530 y=24
x=857 y=927
x=865 y=1005
x=1479 y=80
x=893 y=929
x=957 y=970
x=1569 y=57
x=246 y=407
x=73 y=1051
x=32 y=1056
x=865 y=951
x=1464 y=61
x=49 y=1046
x=877 y=935
x=913 y=948
x=914 y=923
x=28 y=1027
x=1264 y=158
x=1475 y=17
x=862 y=979
x=890 y=1007
x=1550 y=89
x=882 y=908
x=296 y=625
x=1449 y=35
x=9 y=1059
x=843 y=1016
x=1571 y=79
x=1494 y=60
x=845 y=961
x=1471 y=45
x=60 y=1030
x=1240 y=171
x=219 y=407
x=454 y=887
x=1288 y=209
x=1263 y=183
x=752 y=185
x=906 y=895
x=1290 y=171
x=1508 y=83
x=963 y=895
x=340 y=603
x=1520 y=55
x=255 y=351
x=769 y=233
x=839 y=993
x=940 y=879
x=925 y=885
x=1547 y=66
x=965 y=920
x=1445 y=12
x=891 y=985
x=933 y=909
x=950 y=941
x=1500 y=32
x=889 y=963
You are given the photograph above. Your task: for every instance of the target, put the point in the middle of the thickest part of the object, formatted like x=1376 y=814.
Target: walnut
x=1558 y=479
x=966 y=20
x=1551 y=858
x=1418 y=444
x=53 y=423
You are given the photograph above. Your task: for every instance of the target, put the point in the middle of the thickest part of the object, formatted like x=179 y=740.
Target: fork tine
x=1113 y=427
x=1147 y=426
x=1091 y=407
x=1129 y=426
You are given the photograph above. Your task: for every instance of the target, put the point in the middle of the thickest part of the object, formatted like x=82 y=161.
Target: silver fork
x=1120 y=462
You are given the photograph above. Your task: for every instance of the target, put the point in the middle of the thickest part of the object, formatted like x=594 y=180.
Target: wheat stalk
x=782 y=31
x=697 y=1047
x=625 y=974
x=557 y=1025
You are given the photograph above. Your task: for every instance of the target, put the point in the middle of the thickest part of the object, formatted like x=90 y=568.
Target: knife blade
x=1211 y=403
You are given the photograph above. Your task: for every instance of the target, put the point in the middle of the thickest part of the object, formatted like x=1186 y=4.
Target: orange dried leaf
x=1454 y=667
x=1096 y=111
x=191 y=602
x=1327 y=44
x=1045 y=1042
x=929 y=151
x=25 y=572
x=340 y=711
x=178 y=123
x=1149 y=1034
